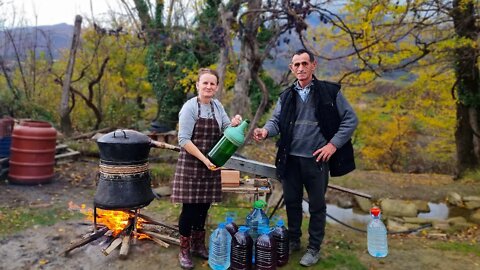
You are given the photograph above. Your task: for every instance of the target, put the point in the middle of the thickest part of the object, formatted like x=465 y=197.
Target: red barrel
x=32 y=154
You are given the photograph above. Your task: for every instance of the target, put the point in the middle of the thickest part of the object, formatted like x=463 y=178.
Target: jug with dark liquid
x=232 y=139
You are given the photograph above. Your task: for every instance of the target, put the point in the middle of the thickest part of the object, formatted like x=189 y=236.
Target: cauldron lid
x=124 y=136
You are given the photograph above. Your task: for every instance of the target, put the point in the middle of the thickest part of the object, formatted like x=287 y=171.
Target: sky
x=50 y=12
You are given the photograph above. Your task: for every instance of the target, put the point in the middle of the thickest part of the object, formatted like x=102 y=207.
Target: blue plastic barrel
x=6 y=127
x=5 y=144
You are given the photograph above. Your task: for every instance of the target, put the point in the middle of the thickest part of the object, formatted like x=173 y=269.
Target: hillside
x=50 y=39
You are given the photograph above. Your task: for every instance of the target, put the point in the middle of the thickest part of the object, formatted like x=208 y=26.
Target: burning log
x=163 y=237
x=124 y=241
x=154 y=222
x=115 y=243
x=121 y=228
x=125 y=247
x=132 y=226
x=89 y=238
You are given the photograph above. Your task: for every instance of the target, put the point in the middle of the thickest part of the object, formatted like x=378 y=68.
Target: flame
x=116 y=221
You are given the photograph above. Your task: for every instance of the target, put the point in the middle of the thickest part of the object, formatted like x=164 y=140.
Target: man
x=315 y=123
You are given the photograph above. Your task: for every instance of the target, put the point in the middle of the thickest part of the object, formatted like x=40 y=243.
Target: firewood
x=152 y=221
x=115 y=243
x=166 y=238
x=86 y=240
x=160 y=242
x=125 y=247
x=156 y=240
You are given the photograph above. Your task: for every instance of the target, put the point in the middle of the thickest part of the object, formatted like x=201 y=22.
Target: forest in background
x=409 y=68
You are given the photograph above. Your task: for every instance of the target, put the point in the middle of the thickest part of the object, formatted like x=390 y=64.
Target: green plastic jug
x=232 y=138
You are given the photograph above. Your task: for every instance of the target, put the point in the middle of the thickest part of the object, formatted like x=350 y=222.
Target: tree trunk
x=248 y=60
x=467 y=74
x=225 y=50
x=65 y=122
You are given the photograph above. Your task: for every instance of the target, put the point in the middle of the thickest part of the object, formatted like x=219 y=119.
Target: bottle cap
x=236 y=134
x=280 y=223
x=259 y=204
x=243 y=229
x=375 y=211
x=221 y=225
x=264 y=230
x=229 y=219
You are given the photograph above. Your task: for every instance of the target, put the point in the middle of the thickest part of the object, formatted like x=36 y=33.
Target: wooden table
x=247 y=186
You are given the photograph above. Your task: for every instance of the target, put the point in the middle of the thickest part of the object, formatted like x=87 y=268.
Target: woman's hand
x=236 y=120
x=210 y=165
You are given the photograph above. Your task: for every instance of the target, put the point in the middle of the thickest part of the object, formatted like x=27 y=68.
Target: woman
x=196 y=184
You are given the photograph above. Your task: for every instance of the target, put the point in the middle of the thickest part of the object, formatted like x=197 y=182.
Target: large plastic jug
x=230 y=225
x=242 y=250
x=219 y=248
x=256 y=219
x=232 y=138
x=265 y=250
x=280 y=234
x=377 y=235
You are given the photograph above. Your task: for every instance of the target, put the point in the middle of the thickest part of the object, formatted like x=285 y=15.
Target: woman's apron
x=193 y=181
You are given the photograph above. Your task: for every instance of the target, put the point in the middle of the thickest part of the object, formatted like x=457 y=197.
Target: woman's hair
x=207 y=71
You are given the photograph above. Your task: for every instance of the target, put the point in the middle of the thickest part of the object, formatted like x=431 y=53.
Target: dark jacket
x=324 y=94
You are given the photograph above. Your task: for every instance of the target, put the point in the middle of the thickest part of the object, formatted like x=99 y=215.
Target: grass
x=473 y=248
x=17 y=219
x=473 y=175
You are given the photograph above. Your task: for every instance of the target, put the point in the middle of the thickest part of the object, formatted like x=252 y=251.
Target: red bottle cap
x=375 y=211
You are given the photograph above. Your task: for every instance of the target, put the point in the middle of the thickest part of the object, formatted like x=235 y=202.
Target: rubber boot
x=198 y=245
x=184 y=256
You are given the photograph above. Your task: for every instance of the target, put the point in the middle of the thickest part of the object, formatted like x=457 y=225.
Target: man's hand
x=259 y=134
x=236 y=120
x=325 y=153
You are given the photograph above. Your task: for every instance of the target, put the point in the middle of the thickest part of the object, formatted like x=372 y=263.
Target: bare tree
x=65 y=121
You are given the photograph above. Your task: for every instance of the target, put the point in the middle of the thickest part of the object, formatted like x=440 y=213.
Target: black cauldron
x=124 y=181
x=124 y=147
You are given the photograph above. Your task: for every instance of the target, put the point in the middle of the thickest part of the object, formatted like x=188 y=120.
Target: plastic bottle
x=265 y=250
x=377 y=235
x=280 y=234
x=232 y=138
x=219 y=248
x=242 y=250
x=230 y=225
x=257 y=218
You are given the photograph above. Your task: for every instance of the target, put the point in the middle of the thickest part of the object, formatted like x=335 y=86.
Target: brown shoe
x=184 y=256
x=198 y=245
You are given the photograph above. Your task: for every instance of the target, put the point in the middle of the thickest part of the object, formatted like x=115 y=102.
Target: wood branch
x=86 y=240
x=160 y=242
x=88 y=135
x=156 y=240
x=163 y=237
x=164 y=145
x=115 y=243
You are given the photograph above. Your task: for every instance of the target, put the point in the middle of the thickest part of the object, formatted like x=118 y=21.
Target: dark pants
x=306 y=172
x=193 y=217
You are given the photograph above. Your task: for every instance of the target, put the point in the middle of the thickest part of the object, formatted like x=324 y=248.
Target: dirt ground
x=40 y=247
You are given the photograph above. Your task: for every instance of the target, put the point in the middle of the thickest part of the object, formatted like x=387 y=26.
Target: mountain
x=50 y=39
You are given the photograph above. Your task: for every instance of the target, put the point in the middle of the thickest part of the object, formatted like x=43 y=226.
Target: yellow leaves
x=406 y=123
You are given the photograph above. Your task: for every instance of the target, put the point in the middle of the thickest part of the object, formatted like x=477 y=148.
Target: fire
x=116 y=221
